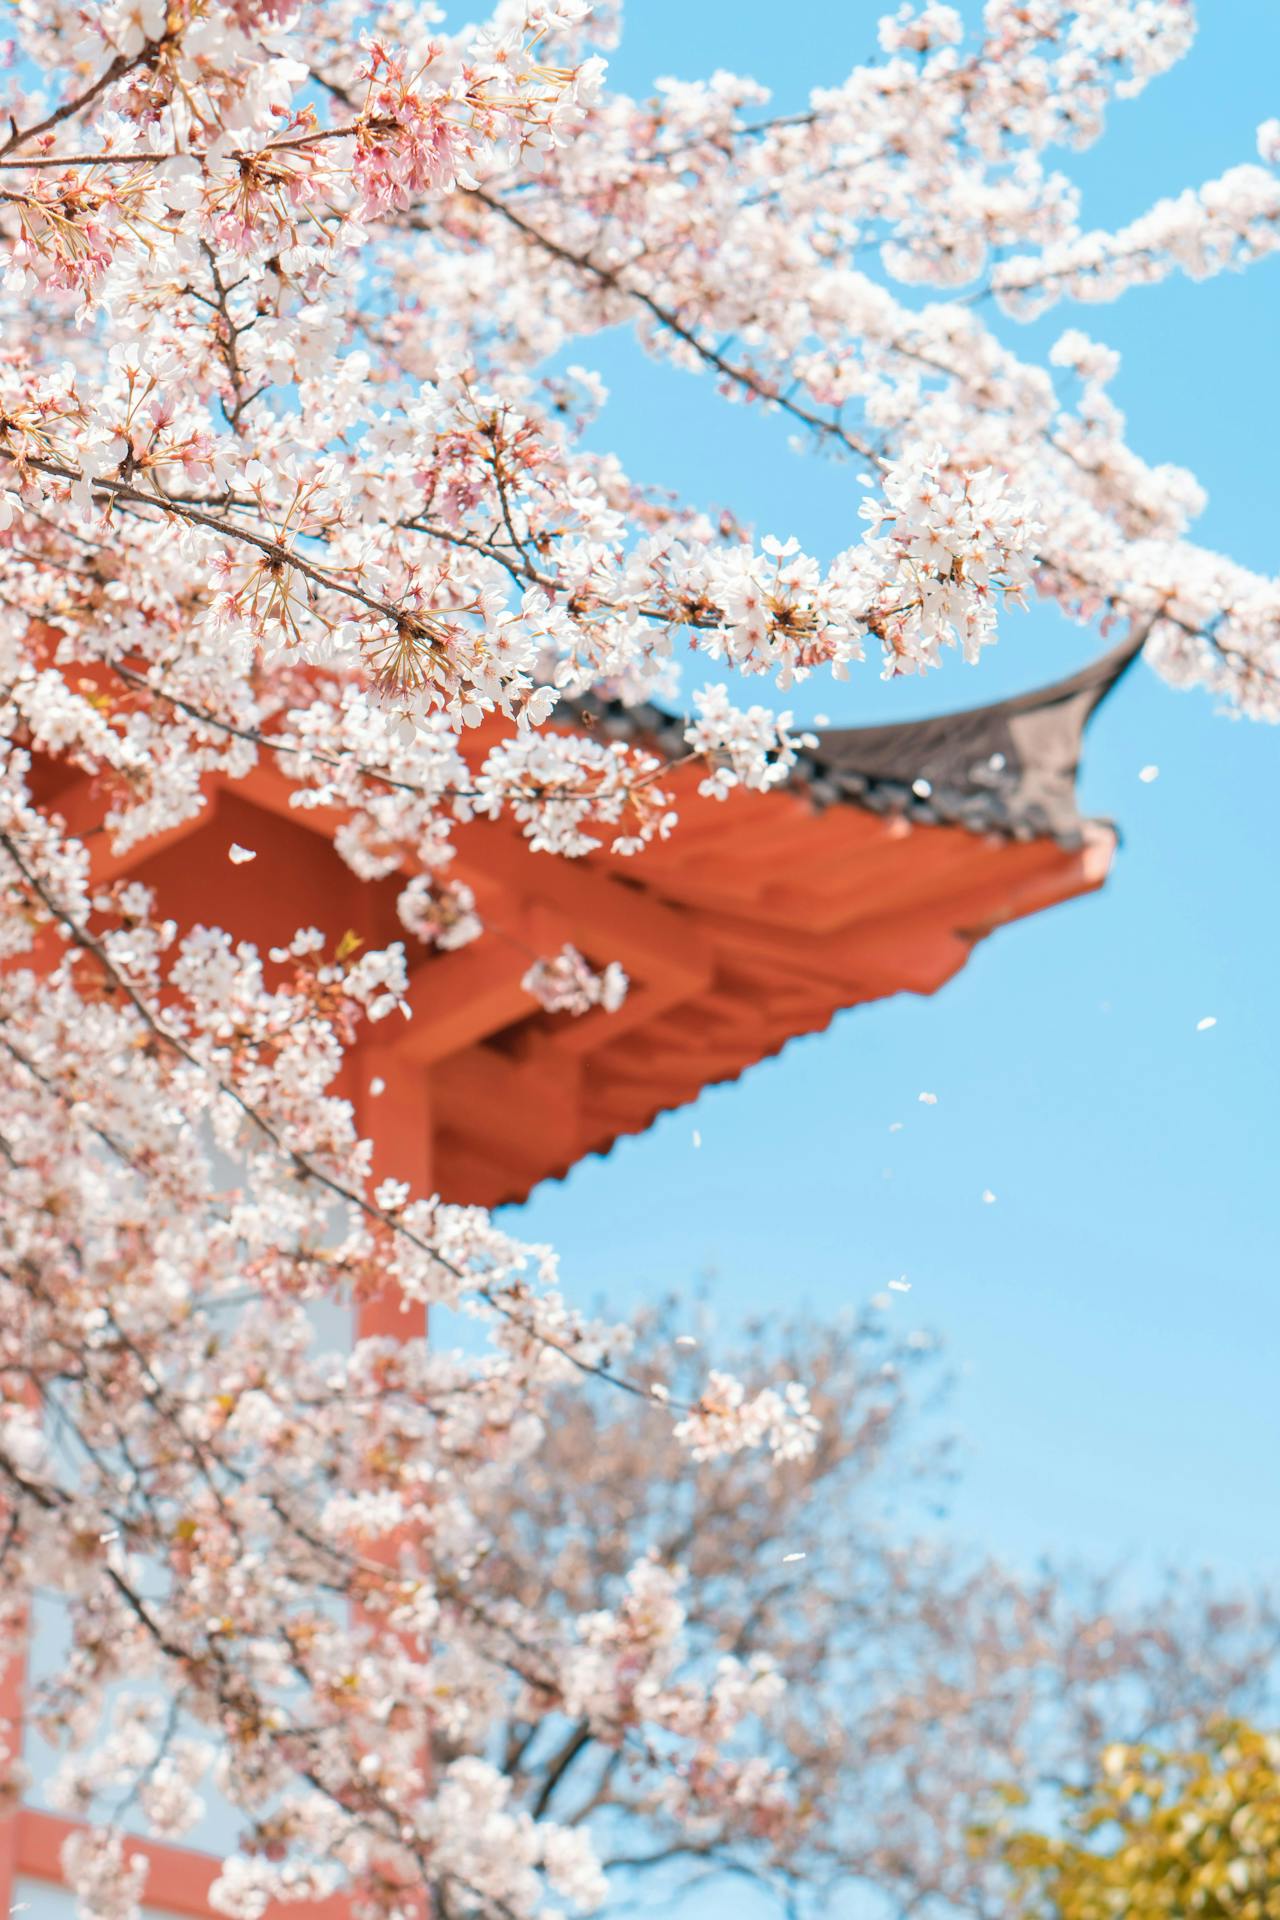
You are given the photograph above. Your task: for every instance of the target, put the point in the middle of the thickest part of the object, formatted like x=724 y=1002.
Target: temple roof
x=1007 y=768
x=889 y=855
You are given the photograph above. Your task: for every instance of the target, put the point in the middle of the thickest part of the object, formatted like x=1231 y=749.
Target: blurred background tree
x=918 y=1675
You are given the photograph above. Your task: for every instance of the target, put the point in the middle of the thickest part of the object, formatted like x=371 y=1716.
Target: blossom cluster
x=726 y=1418
x=567 y=983
x=754 y=748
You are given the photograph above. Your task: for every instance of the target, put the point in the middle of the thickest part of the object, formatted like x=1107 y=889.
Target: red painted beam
x=178 y=1879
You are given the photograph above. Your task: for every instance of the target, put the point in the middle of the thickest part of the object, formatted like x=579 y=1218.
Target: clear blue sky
x=1116 y=1314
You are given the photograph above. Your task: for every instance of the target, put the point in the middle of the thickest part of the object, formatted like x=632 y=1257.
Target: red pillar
x=12 y=1679
x=392 y=1102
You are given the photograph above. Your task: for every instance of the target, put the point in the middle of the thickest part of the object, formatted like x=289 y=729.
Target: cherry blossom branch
x=274 y=550
x=121 y=65
x=531 y=793
x=612 y=277
x=831 y=429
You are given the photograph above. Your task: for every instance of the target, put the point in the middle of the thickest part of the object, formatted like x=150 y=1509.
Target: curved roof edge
x=1007 y=768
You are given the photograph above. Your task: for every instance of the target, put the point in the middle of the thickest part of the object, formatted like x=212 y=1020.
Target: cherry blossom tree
x=285 y=480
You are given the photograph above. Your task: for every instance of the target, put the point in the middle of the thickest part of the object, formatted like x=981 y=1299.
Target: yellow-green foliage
x=1160 y=1834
